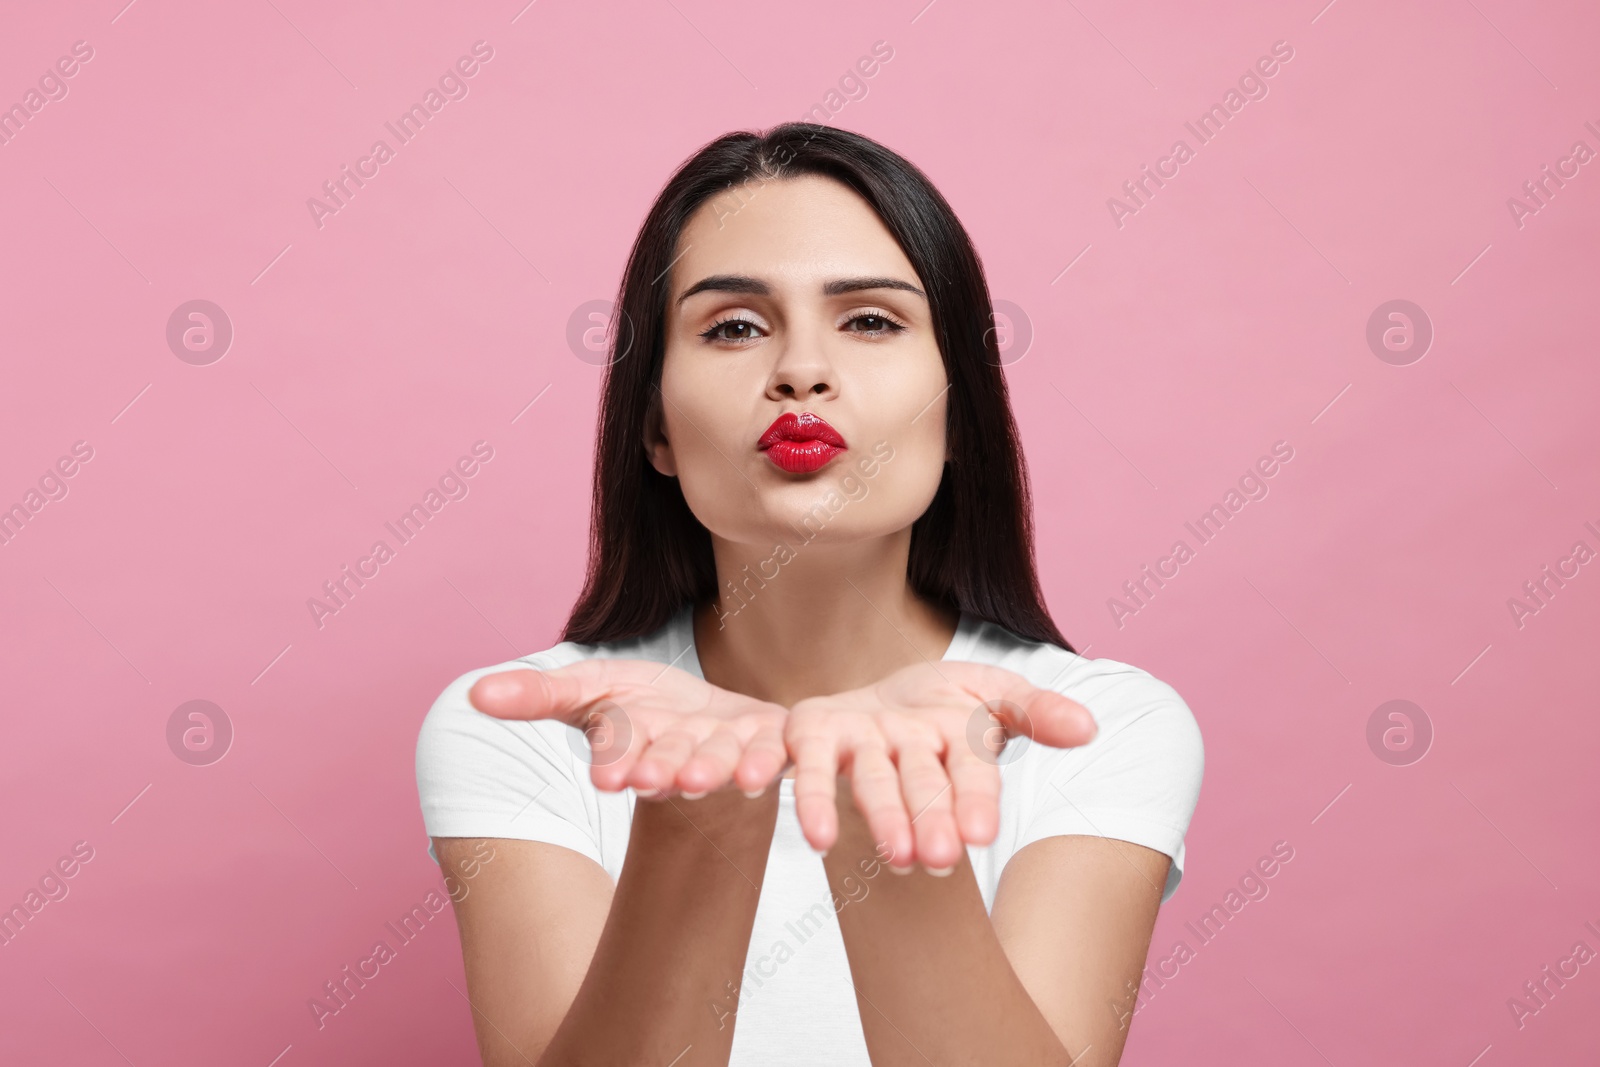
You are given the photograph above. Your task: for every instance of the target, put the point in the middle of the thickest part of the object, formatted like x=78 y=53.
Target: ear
x=656 y=445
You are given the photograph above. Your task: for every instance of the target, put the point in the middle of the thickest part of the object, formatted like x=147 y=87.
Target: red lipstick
x=800 y=442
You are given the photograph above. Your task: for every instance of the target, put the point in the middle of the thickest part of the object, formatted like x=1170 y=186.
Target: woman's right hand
x=659 y=730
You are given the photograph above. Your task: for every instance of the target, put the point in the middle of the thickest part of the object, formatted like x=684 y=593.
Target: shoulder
x=1138 y=779
x=1127 y=702
x=1119 y=695
x=482 y=776
x=470 y=762
x=453 y=719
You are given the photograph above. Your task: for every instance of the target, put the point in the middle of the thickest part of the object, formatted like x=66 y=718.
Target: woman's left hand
x=921 y=751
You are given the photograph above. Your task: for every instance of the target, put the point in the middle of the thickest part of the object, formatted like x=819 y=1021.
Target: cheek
x=704 y=406
x=909 y=478
x=700 y=414
x=905 y=438
x=904 y=405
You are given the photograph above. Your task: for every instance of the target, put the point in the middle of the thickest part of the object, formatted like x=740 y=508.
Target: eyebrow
x=742 y=283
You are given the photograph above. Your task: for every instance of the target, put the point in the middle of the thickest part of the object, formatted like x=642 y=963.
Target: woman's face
x=791 y=298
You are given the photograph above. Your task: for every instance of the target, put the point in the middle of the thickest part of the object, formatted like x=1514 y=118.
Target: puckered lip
x=800 y=426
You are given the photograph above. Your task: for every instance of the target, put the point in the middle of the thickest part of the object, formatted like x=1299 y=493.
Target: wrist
x=724 y=816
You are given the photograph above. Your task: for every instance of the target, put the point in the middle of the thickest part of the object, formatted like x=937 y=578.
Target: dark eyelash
x=709 y=333
x=892 y=325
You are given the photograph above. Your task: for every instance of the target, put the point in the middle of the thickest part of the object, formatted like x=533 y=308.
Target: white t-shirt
x=1138 y=781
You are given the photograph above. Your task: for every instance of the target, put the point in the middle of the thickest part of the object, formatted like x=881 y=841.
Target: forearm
x=678 y=931
x=932 y=980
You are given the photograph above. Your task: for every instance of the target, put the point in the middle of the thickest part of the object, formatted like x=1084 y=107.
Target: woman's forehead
x=794 y=236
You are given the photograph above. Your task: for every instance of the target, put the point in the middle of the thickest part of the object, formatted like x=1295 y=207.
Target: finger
x=764 y=759
x=975 y=781
x=654 y=774
x=928 y=797
x=530 y=694
x=563 y=692
x=816 y=761
x=613 y=746
x=1045 y=716
x=875 y=783
x=711 y=764
x=1054 y=720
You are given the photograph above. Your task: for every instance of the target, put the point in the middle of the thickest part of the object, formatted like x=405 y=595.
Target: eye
x=874 y=323
x=737 y=330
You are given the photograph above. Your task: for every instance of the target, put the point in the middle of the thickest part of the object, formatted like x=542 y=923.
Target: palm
x=658 y=730
x=922 y=749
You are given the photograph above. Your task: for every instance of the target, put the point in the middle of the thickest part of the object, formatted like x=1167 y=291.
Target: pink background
x=1227 y=314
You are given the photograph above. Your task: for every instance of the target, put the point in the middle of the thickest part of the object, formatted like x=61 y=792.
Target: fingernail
x=691 y=796
x=754 y=795
x=939 y=872
x=899 y=870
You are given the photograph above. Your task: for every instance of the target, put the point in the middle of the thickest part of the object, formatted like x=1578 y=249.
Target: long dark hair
x=971 y=550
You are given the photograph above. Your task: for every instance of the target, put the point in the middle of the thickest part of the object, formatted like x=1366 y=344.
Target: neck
x=815 y=619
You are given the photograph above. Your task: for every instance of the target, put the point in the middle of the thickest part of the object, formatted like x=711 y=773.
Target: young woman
x=811 y=565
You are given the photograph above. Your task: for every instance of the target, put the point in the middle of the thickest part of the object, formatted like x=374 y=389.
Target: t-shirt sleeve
x=1138 y=780
x=479 y=776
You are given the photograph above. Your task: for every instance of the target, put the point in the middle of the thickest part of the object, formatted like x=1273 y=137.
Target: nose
x=802 y=371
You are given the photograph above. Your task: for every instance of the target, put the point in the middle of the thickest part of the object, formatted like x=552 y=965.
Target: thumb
x=1041 y=715
x=529 y=694
x=1048 y=718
